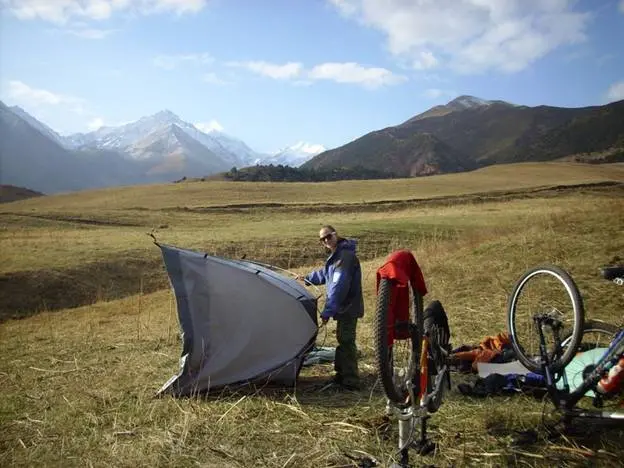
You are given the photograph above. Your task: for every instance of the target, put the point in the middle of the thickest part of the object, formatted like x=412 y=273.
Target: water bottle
x=613 y=380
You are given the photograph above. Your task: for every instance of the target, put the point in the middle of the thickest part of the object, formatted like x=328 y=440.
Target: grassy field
x=99 y=332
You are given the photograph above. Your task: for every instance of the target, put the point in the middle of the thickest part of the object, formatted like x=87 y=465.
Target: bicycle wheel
x=397 y=359
x=596 y=334
x=551 y=291
x=437 y=329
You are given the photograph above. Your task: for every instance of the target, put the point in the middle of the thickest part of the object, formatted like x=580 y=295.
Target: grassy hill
x=452 y=138
x=100 y=333
x=10 y=193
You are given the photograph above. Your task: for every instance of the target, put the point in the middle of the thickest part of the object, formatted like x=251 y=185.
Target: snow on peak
x=209 y=127
x=467 y=102
x=306 y=148
x=295 y=155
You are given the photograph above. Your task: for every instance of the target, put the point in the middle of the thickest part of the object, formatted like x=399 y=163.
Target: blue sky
x=275 y=72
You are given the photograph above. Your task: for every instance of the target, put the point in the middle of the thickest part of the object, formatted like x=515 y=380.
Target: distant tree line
x=280 y=173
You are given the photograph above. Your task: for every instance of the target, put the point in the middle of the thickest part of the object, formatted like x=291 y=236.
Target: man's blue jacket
x=343 y=277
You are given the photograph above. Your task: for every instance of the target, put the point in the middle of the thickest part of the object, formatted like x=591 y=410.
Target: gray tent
x=241 y=322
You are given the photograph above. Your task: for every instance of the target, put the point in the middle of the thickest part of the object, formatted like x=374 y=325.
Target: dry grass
x=77 y=385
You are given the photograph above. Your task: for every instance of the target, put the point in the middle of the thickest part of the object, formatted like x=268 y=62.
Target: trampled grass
x=77 y=384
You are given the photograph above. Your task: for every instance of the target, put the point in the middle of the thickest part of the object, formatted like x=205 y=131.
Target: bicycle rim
x=397 y=361
x=436 y=327
x=596 y=334
x=545 y=290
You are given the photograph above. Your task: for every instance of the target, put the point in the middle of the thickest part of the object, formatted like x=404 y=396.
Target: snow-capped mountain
x=43 y=128
x=295 y=155
x=130 y=139
x=125 y=138
x=156 y=148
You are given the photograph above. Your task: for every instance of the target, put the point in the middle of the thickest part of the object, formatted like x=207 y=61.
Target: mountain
x=294 y=155
x=31 y=158
x=470 y=132
x=43 y=128
x=417 y=154
x=156 y=148
x=170 y=152
x=9 y=193
x=458 y=104
x=126 y=138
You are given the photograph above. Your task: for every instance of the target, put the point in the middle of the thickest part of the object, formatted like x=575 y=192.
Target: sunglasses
x=326 y=237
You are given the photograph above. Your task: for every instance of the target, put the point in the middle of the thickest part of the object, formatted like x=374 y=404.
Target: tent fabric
x=241 y=322
x=400 y=266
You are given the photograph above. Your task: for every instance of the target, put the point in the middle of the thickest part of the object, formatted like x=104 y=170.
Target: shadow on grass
x=587 y=441
x=26 y=293
x=308 y=391
x=124 y=274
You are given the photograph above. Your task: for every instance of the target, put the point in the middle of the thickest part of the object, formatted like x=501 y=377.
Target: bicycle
x=553 y=320
x=411 y=358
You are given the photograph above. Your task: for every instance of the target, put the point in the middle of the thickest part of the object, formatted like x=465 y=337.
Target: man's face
x=328 y=238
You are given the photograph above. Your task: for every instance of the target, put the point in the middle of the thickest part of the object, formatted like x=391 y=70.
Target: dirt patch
x=393 y=205
x=79 y=220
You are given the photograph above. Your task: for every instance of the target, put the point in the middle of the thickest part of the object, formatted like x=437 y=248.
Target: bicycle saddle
x=612 y=272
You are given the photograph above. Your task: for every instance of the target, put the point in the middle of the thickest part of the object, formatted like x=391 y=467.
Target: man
x=344 y=302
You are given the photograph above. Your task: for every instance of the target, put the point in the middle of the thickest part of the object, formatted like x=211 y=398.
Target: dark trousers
x=346 y=361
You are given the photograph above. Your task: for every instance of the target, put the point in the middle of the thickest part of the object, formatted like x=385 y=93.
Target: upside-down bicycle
x=547 y=324
x=413 y=370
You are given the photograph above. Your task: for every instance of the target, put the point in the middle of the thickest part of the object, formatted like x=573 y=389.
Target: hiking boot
x=350 y=385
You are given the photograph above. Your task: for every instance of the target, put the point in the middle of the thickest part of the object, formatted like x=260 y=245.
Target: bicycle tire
x=397 y=393
x=592 y=326
x=437 y=328
x=558 y=359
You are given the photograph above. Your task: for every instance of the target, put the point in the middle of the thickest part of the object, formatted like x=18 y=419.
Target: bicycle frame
x=564 y=399
x=419 y=399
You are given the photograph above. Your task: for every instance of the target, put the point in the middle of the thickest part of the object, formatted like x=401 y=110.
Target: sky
x=277 y=72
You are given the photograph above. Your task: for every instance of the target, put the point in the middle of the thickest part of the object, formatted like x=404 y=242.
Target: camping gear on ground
x=241 y=322
x=496 y=348
x=513 y=367
x=320 y=355
x=504 y=384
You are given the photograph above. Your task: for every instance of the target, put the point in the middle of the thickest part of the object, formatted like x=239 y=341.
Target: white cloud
x=351 y=72
x=207 y=127
x=347 y=7
x=95 y=124
x=286 y=71
x=347 y=72
x=89 y=33
x=26 y=96
x=425 y=60
x=169 y=62
x=62 y=11
x=213 y=78
x=616 y=91
x=471 y=35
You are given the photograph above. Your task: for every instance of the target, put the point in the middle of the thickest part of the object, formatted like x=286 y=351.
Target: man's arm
x=339 y=285
x=316 y=277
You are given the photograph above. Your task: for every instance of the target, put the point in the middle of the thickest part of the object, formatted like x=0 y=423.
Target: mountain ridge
x=477 y=132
